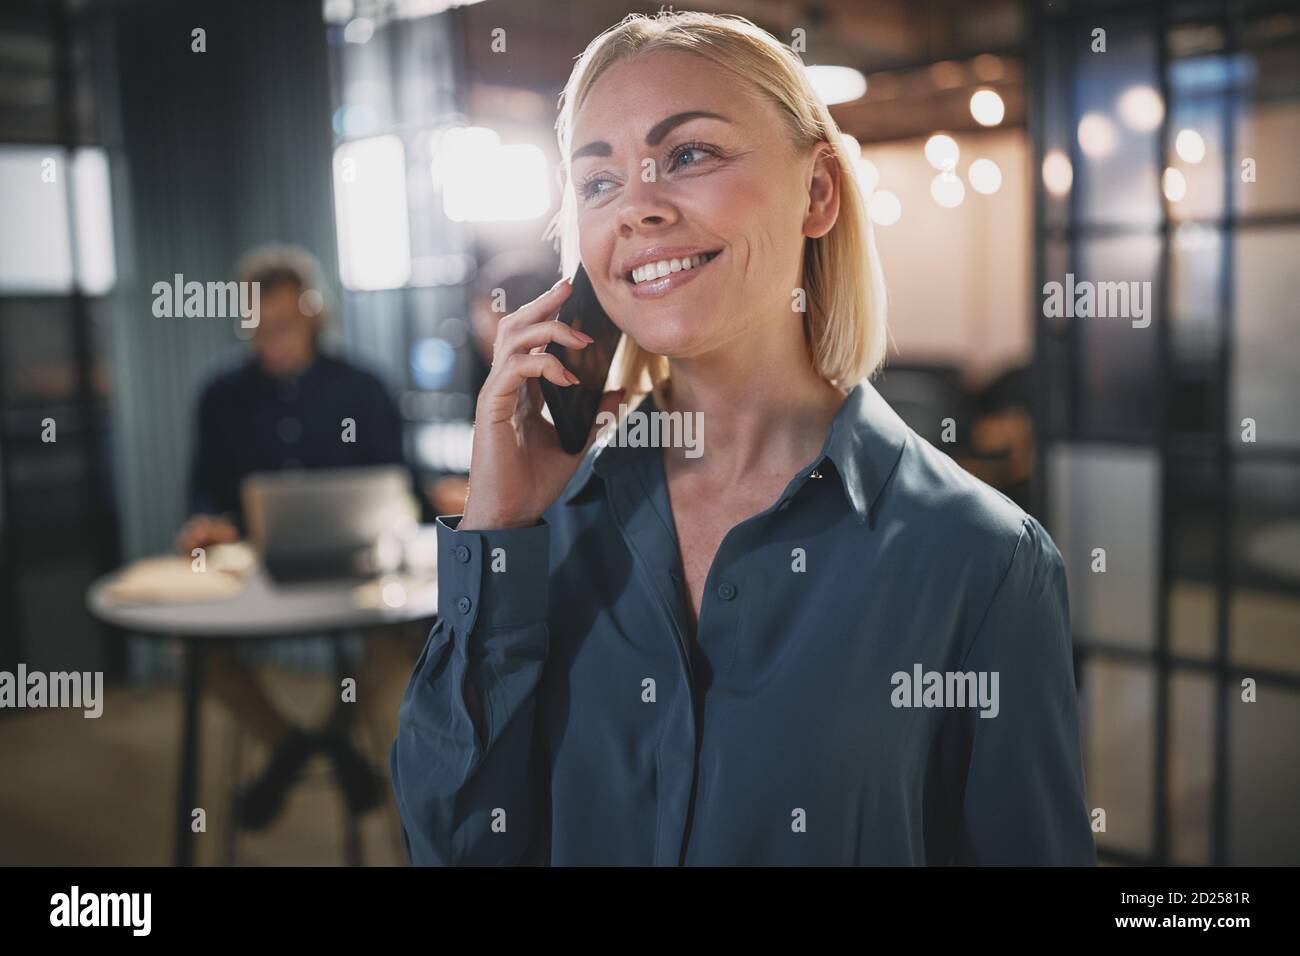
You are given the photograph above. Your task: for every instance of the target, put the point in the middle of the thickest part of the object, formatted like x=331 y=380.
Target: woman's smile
x=659 y=271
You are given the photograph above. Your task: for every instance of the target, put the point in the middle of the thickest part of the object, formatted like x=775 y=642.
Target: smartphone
x=574 y=407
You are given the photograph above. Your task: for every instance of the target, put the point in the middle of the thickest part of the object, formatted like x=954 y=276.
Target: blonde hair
x=842 y=278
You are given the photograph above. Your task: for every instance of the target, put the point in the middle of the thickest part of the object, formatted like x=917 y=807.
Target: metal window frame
x=1173 y=448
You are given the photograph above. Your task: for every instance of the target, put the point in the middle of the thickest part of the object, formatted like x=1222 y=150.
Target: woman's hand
x=517 y=467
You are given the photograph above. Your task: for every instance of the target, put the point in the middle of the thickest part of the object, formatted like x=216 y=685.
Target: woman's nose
x=645 y=205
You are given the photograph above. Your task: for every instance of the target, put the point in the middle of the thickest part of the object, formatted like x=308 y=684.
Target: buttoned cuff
x=502 y=575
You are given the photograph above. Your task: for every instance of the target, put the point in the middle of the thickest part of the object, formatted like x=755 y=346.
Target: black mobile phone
x=574 y=408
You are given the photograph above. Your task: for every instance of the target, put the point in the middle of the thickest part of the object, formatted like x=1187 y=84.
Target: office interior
x=409 y=146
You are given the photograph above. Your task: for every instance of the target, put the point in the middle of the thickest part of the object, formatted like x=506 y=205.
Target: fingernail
x=584 y=336
x=573 y=379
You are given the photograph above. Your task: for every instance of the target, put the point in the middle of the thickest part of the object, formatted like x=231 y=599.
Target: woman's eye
x=681 y=156
x=591 y=188
x=688 y=156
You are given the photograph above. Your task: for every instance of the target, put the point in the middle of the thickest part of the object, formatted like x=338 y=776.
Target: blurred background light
x=884 y=208
x=311 y=302
x=837 y=84
x=987 y=107
x=1141 y=108
x=948 y=190
x=484 y=181
x=445 y=446
x=92 y=207
x=35 y=247
x=985 y=176
x=1058 y=174
x=359 y=30
x=1190 y=146
x=432 y=361
x=868 y=176
x=942 y=152
x=370 y=209
x=394 y=594
x=337 y=11
x=1097 y=135
x=354 y=122
x=1174 y=184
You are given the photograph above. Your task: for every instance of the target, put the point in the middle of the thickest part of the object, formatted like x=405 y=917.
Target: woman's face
x=677 y=161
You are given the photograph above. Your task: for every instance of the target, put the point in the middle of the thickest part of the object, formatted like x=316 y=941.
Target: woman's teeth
x=656 y=270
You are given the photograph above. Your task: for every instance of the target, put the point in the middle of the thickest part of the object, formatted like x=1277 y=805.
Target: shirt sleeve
x=466 y=777
x=1024 y=800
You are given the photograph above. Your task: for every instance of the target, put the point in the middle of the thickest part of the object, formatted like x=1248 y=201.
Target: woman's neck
x=757 y=415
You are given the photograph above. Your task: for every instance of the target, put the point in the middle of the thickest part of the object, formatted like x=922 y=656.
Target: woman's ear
x=823 y=193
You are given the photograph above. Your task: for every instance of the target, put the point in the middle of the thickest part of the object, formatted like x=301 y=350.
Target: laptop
x=326 y=523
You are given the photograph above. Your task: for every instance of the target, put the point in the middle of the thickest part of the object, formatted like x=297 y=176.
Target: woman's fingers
x=500 y=393
x=520 y=358
x=541 y=334
x=528 y=365
x=499 y=397
x=540 y=309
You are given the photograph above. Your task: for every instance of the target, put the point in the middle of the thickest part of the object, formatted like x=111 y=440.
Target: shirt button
x=726 y=591
x=462 y=553
x=463 y=604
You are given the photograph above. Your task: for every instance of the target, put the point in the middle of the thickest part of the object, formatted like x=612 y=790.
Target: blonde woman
x=818 y=642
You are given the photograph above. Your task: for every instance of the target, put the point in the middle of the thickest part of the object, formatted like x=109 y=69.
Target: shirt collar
x=864 y=443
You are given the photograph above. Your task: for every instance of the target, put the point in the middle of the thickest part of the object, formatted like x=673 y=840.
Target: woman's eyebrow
x=652 y=138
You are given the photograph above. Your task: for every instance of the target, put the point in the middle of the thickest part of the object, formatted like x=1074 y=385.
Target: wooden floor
x=101 y=792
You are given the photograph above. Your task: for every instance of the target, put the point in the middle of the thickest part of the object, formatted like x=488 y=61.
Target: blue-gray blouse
x=881 y=674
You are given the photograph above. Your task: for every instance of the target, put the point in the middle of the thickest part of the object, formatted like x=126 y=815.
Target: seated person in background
x=282 y=409
x=502 y=284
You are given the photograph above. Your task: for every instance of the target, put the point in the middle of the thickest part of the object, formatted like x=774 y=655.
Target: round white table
x=263 y=610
